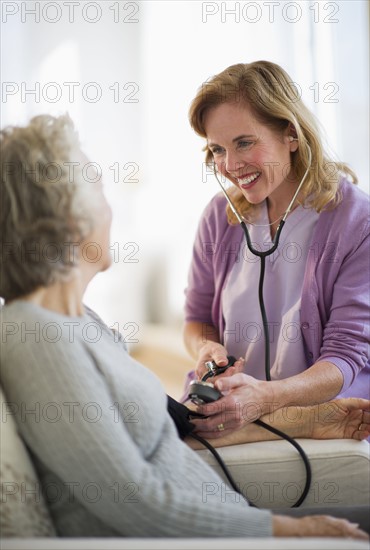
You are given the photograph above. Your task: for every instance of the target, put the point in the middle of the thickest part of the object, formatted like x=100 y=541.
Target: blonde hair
x=274 y=100
x=43 y=208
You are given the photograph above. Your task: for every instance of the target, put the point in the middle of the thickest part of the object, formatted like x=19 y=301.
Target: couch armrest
x=271 y=474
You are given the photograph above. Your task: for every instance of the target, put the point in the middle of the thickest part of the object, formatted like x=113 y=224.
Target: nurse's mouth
x=247 y=181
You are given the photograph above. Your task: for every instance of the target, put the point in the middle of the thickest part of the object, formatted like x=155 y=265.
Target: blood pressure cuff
x=181 y=415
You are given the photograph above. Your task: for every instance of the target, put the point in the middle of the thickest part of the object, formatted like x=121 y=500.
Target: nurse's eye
x=216 y=150
x=245 y=144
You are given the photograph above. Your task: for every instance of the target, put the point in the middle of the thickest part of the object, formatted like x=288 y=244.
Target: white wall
x=167 y=50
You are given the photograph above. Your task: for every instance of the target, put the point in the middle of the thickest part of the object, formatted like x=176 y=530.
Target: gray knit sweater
x=104 y=446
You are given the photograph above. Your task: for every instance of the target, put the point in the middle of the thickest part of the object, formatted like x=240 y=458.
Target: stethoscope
x=263 y=255
x=213 y=369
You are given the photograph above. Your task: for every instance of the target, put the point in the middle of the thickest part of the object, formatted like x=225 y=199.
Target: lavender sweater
x=335 y=294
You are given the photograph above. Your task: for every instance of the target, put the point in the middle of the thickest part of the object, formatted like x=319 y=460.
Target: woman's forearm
x=248 y=434
x=294 y=421
x=319 y=383
x=197 y=334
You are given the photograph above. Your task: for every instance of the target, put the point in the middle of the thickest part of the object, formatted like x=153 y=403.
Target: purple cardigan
x=336 y=288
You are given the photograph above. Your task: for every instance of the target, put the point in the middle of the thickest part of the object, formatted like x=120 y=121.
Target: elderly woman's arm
x=342 y=418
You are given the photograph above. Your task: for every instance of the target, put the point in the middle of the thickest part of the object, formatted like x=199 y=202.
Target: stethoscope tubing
x=263 y=256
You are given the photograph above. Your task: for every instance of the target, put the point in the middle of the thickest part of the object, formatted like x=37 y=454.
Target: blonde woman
x=262 y=139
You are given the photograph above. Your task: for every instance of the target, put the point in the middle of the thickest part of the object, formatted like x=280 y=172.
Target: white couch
x=270 y=473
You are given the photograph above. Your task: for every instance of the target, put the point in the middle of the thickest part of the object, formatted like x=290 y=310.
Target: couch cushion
x=271 y=473
x=24 y=513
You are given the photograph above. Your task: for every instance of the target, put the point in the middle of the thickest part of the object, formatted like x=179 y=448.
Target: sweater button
x=305 y=325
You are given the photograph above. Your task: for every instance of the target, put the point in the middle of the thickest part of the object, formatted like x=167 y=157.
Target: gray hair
x=43 y=204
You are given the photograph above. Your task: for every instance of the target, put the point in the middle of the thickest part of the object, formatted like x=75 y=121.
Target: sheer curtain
x=127 y=71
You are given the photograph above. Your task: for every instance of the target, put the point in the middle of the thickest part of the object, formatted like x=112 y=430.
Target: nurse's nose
x=234 y=162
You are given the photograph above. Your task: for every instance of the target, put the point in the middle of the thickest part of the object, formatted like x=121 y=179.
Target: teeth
x=249 y=179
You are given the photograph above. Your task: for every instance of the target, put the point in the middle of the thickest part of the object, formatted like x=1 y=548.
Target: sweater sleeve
x=346 y=334
x=67 y=415
x=201 y=279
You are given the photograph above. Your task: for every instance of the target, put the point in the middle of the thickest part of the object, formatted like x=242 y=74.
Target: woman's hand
x=316 y=526
x=347 y=418
x=245 y=399
x=213 y=351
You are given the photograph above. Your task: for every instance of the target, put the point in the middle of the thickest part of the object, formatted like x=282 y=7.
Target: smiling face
x=250 y=154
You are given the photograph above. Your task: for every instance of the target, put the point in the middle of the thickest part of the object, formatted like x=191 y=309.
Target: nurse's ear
x=293 y=141
x=291 y=136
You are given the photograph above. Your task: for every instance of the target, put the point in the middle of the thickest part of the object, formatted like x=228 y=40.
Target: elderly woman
x=298 y=317
x=96 y=421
